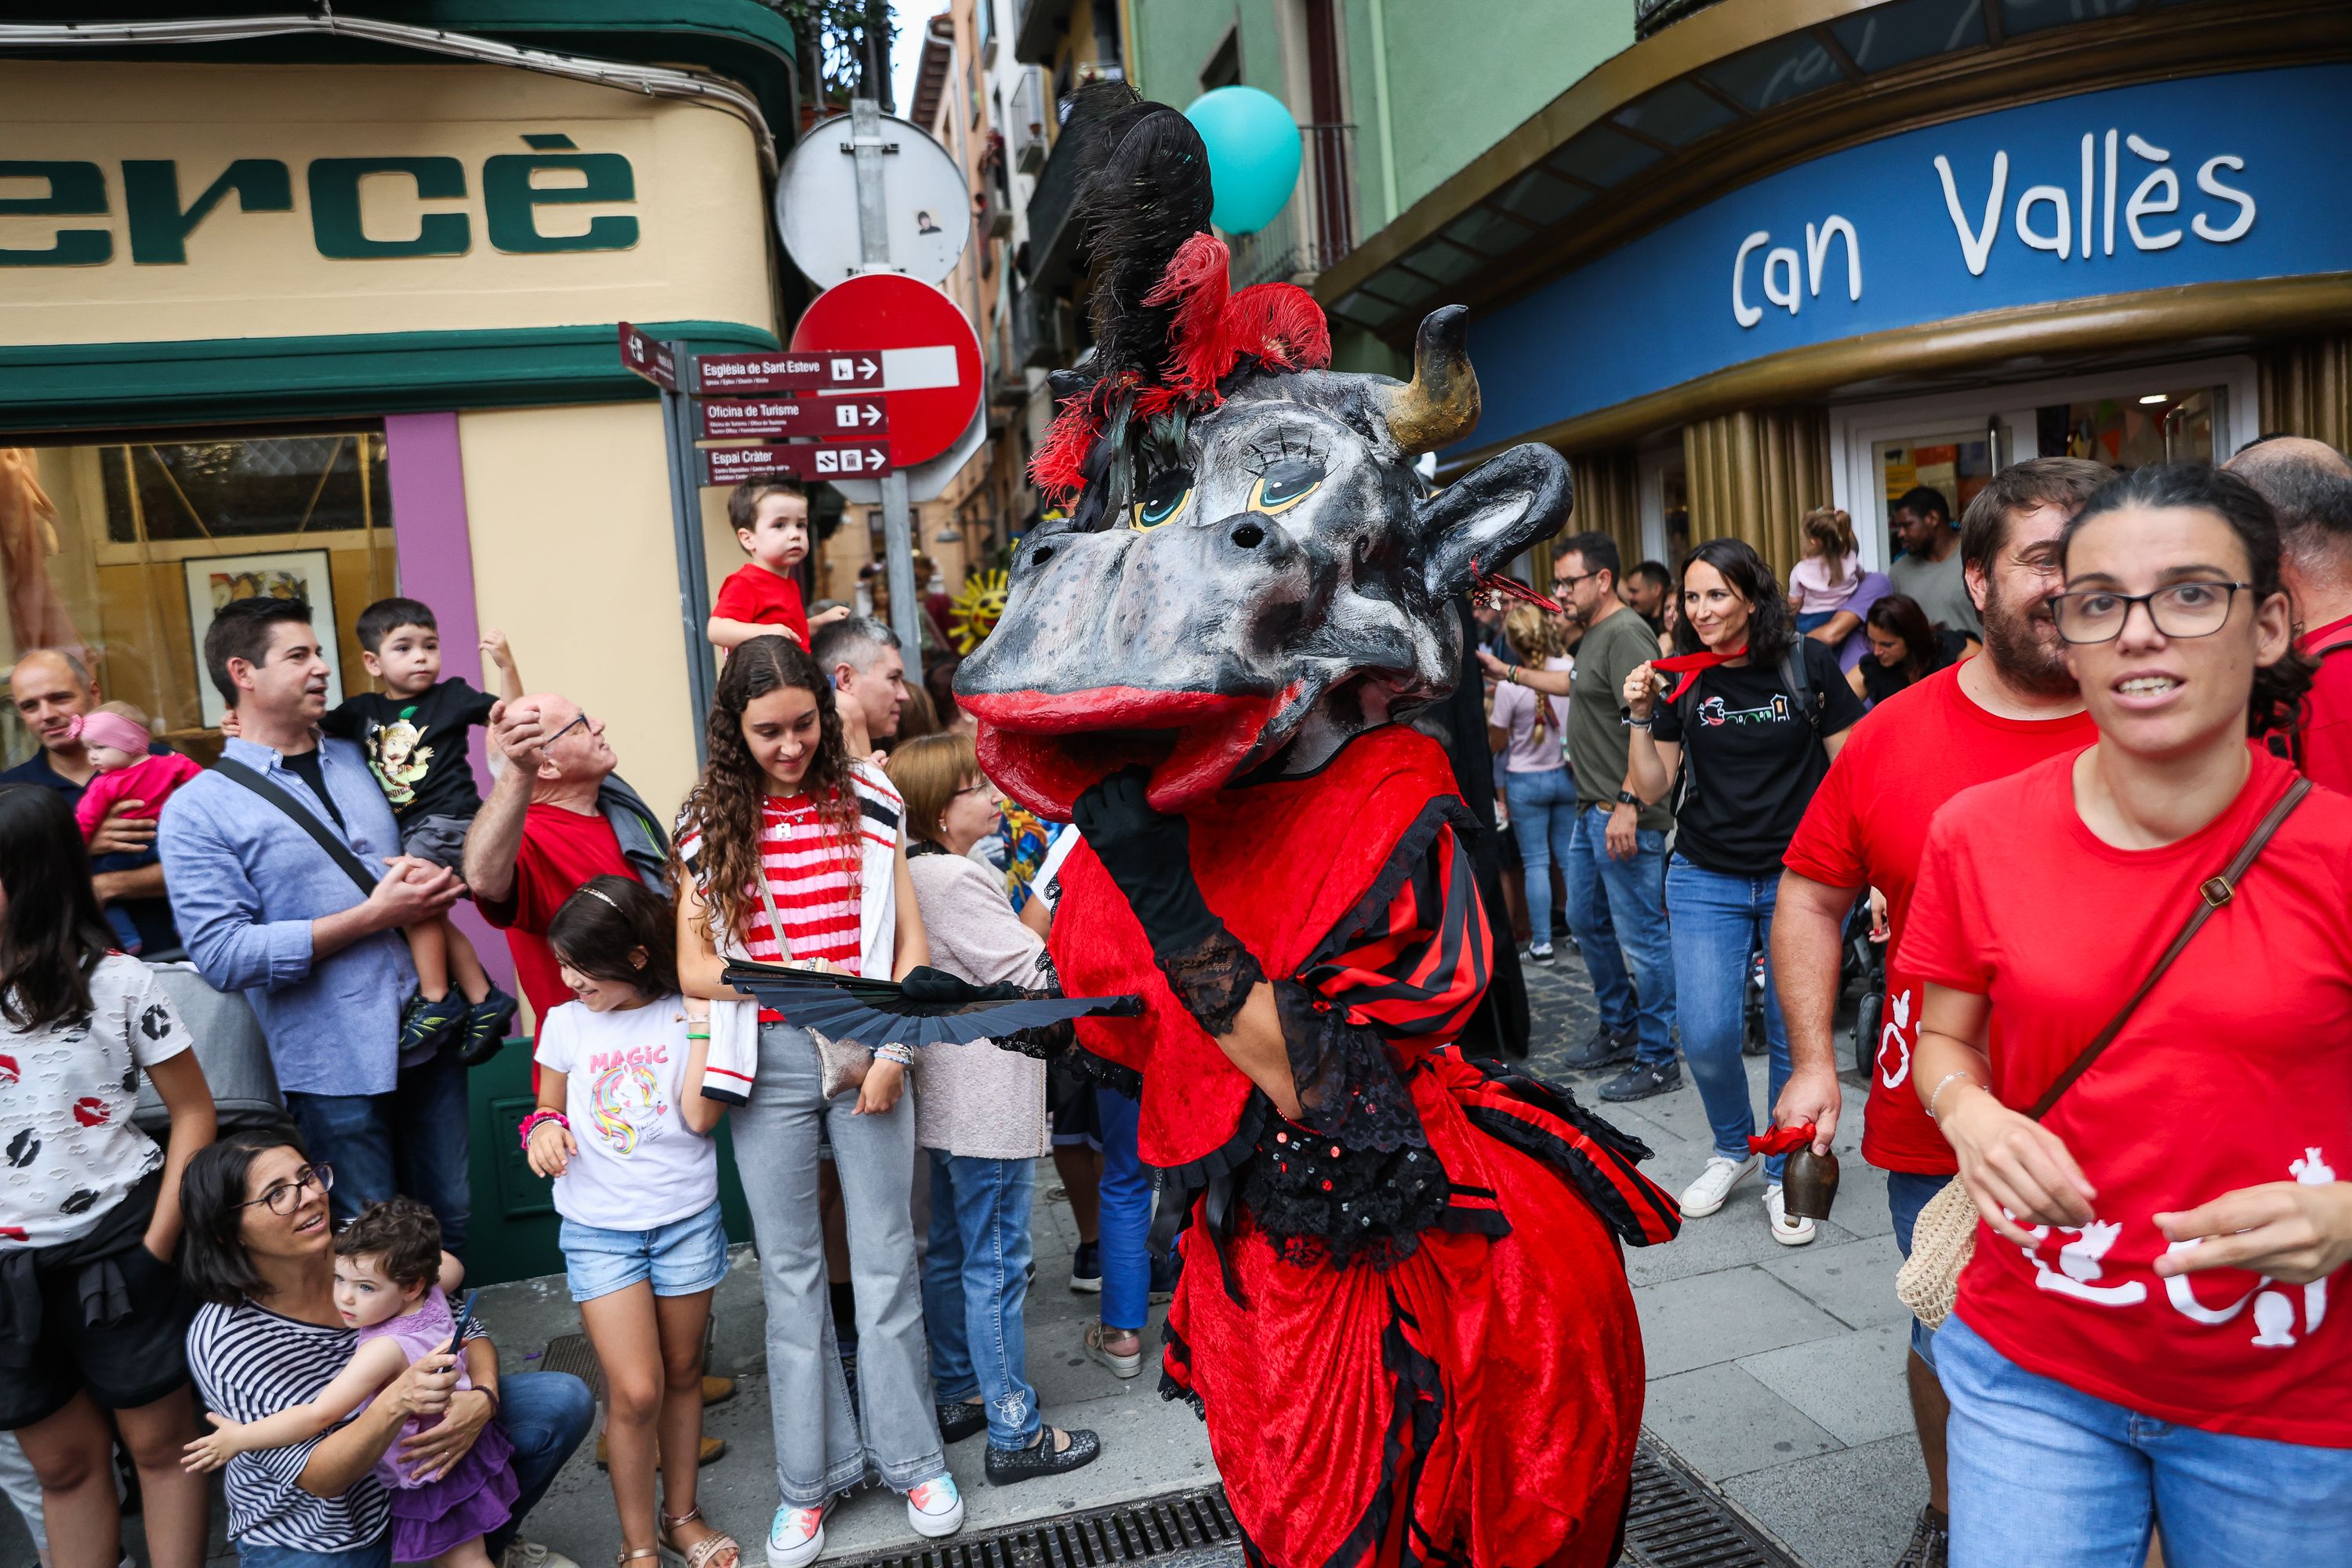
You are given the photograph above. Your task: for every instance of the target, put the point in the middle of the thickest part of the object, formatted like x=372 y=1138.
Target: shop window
x=120 y=552
x=1890 y=35
x=2132 y=432
x=1956 y=468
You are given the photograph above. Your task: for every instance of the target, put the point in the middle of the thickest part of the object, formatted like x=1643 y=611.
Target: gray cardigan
x=975 y=1100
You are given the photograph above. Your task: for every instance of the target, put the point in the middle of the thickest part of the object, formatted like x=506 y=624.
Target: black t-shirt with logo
x=416 y=746
x=1754 y=759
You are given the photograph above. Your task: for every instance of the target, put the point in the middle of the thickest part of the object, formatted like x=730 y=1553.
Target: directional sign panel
x=648 y=358
x=839 y=370
x=774 y=418
x=732 y=465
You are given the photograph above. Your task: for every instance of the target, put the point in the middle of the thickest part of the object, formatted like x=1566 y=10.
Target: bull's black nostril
x=1249 y=536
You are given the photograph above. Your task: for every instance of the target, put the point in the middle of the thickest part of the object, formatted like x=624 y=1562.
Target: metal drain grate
x=1190 y=1530
x=573 y=1353
x=1677 y=1521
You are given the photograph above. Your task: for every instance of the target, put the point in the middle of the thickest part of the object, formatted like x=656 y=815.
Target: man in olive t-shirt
x=1615 y=870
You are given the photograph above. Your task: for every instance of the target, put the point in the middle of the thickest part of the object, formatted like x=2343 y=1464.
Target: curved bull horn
x=1440 y=404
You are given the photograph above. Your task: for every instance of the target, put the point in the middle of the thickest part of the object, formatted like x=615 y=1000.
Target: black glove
x=937 y=987
x=1150 y=857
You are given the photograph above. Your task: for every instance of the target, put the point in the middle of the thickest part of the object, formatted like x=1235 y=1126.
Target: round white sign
x=925 y=204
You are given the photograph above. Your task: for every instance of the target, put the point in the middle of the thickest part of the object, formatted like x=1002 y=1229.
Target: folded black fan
x=931 y=1007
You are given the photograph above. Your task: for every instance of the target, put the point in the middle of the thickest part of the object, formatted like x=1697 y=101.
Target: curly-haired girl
x=789 y=851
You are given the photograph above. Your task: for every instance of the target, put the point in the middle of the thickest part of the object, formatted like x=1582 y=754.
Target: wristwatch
x=1627 y=797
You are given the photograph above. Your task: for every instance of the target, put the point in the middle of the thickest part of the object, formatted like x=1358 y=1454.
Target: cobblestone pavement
x=1775 y=1372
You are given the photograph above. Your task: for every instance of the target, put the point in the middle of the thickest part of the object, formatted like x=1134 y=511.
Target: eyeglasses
x=2194 y=609
x=565 y=731
x=982 y=787
x=1565 y=580
x=287 y=1196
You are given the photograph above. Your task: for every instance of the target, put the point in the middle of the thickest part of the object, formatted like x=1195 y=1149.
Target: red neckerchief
x=1688 y=665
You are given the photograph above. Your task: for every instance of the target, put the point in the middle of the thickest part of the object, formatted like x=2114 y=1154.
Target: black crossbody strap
x=306 y=820
x=2212 y=894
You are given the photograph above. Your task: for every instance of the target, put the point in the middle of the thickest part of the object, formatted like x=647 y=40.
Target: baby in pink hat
x=116 y=738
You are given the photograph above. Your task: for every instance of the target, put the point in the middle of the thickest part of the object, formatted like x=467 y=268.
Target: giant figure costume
x=1403 y=1310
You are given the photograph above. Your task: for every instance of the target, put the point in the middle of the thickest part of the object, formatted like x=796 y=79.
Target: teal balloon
x=1253 y=154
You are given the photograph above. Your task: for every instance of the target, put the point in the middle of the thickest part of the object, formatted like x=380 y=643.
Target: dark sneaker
x=1639 y=1082
x=1085 y=1269
x=1164 y=1269
x=1606 y=1048
x=486 y=1028
x=962 y=1419
x=1042 y=1458
x=427 y=1024
x=1931 y=1541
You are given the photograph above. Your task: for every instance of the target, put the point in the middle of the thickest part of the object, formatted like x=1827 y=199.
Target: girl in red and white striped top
x=781 y=809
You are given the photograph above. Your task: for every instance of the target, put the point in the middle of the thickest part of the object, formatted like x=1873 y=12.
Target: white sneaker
x=796 y=1536
x=1788 y=1232
x=934 y=1507
x=522 y=1553
x=1714 y=1185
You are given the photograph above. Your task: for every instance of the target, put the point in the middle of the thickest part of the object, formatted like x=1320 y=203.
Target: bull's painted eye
x=1163 y=496
x=1284 y=485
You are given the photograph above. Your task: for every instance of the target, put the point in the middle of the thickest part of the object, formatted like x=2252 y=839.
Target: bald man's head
x=2308 y=484
x=50 y=688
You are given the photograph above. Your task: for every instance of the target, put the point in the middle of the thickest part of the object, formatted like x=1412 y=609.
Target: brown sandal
x=703 y=1551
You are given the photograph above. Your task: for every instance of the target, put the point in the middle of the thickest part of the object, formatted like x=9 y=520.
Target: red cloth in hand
x=1781 y=1140
x=1688 y=665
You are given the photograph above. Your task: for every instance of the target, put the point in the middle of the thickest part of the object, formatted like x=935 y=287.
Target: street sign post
x=648 y=358
x=733 y=465
x=778 y=418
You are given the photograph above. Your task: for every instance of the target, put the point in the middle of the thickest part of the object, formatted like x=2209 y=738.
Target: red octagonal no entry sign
x=930 y=356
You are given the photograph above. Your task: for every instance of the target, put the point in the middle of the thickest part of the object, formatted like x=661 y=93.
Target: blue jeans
x=545 y=1414
x=2043 y=1474
x=1543 y=814
x=412 y=1142
x=975 y=1281
x=1718 y=920
x=1126 y=1224
x=1907 y=1194
x=1617 y=911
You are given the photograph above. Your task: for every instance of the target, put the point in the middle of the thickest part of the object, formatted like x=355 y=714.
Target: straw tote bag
x=1945 y=1238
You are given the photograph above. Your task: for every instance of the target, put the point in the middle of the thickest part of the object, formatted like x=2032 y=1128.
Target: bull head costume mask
x=1252 y=570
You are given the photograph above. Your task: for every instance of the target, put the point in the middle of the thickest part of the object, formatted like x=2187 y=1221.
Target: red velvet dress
x=1405 y=1316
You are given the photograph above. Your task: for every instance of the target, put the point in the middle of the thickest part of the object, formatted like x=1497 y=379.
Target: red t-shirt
x=757 y=596
x=2326 y=739
x=2236 y=1071
x=1866 y=827
x=561 y=850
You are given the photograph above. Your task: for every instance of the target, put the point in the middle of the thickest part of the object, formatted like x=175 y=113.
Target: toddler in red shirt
x=761 y=599
x=118 y=740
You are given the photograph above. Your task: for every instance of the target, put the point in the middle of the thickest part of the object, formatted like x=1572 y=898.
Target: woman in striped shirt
x=784 y=828
x=258 y=1253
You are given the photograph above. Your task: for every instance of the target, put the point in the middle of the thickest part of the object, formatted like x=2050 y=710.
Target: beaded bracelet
x=894 y=1053
x=536 y=1117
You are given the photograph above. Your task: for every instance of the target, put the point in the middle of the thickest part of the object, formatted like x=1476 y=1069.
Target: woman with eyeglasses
x=91 y=1313
x=980 y=1115
x=2145 y=1327
x=260 y=1255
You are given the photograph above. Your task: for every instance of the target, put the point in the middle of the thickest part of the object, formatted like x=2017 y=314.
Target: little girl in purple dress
x=387 y=1267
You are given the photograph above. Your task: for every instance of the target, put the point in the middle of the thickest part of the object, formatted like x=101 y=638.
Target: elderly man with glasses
x=557 y=816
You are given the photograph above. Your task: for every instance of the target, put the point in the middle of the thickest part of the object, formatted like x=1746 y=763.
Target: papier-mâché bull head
x=1253 y=571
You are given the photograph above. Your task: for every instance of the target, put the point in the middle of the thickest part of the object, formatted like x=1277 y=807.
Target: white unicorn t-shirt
x=639 y=1164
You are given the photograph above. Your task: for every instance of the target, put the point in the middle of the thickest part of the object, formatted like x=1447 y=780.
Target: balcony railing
x=1318 y=224
x=1027 y=112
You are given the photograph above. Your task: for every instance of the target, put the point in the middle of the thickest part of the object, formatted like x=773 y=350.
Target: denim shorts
x=1907 y=1194
x=681 y=1257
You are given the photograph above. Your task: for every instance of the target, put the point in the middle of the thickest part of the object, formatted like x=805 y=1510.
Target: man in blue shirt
x=49 y=687
x=266 y=909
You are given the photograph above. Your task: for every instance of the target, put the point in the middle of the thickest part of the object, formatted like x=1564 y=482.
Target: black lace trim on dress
x=1212 y=979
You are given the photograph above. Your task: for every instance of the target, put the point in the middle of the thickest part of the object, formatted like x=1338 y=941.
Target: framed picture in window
x=299 y=574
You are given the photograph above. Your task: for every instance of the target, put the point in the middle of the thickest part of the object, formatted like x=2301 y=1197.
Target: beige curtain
x=1607 y=499
x=2305 y=389
x=1754 y=474
x=37 y=617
